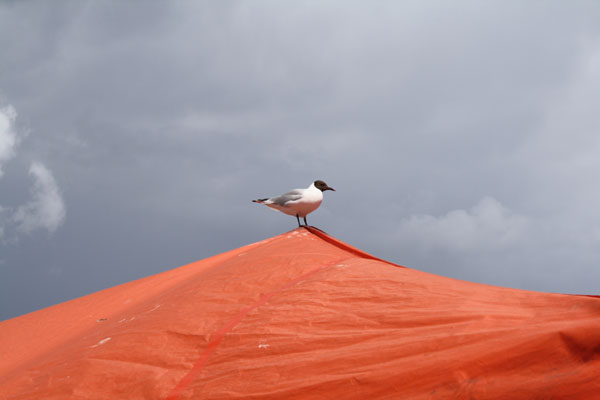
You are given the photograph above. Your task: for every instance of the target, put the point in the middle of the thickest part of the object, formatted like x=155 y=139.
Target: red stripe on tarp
x=212 y=346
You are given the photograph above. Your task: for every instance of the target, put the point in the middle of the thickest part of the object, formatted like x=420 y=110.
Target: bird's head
x=322 y=186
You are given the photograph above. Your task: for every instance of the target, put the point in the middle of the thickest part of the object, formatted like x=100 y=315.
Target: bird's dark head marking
x=322 y=186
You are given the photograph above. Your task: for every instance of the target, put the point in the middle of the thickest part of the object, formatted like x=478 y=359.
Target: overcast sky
x=463 y=138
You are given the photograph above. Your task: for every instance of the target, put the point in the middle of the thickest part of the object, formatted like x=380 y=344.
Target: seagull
x=298 y=202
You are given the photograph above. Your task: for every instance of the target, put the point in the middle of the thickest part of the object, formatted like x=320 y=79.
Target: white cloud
x=488 y=225
x=8 y=136
x=46 y=209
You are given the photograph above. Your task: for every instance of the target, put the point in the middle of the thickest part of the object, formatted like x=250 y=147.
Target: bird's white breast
x=310 y=201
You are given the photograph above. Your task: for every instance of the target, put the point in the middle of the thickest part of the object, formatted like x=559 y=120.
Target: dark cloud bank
x=462 y=138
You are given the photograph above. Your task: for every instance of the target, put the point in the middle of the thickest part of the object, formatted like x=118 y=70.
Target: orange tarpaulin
x=304 y=316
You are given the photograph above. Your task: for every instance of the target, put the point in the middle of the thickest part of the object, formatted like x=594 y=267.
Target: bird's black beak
x=329 y=188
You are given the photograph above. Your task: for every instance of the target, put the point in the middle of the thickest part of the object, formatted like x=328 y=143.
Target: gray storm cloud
x=462 y=137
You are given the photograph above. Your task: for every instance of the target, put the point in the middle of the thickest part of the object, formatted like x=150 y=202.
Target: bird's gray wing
x=286 y=197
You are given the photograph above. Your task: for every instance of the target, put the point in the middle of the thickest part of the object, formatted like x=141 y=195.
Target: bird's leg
x=305 y=223
x=298 y=218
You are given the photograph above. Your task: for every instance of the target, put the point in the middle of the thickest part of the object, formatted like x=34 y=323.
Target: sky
x=462 y=138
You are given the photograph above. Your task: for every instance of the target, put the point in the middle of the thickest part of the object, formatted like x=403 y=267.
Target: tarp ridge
x=353 y=250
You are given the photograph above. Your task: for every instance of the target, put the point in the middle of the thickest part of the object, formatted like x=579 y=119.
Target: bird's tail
x=260 y=200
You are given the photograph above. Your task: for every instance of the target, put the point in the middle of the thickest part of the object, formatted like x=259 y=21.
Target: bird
x=298 y=202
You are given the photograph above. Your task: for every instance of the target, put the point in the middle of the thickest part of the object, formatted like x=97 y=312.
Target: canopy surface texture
x=304 y=316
